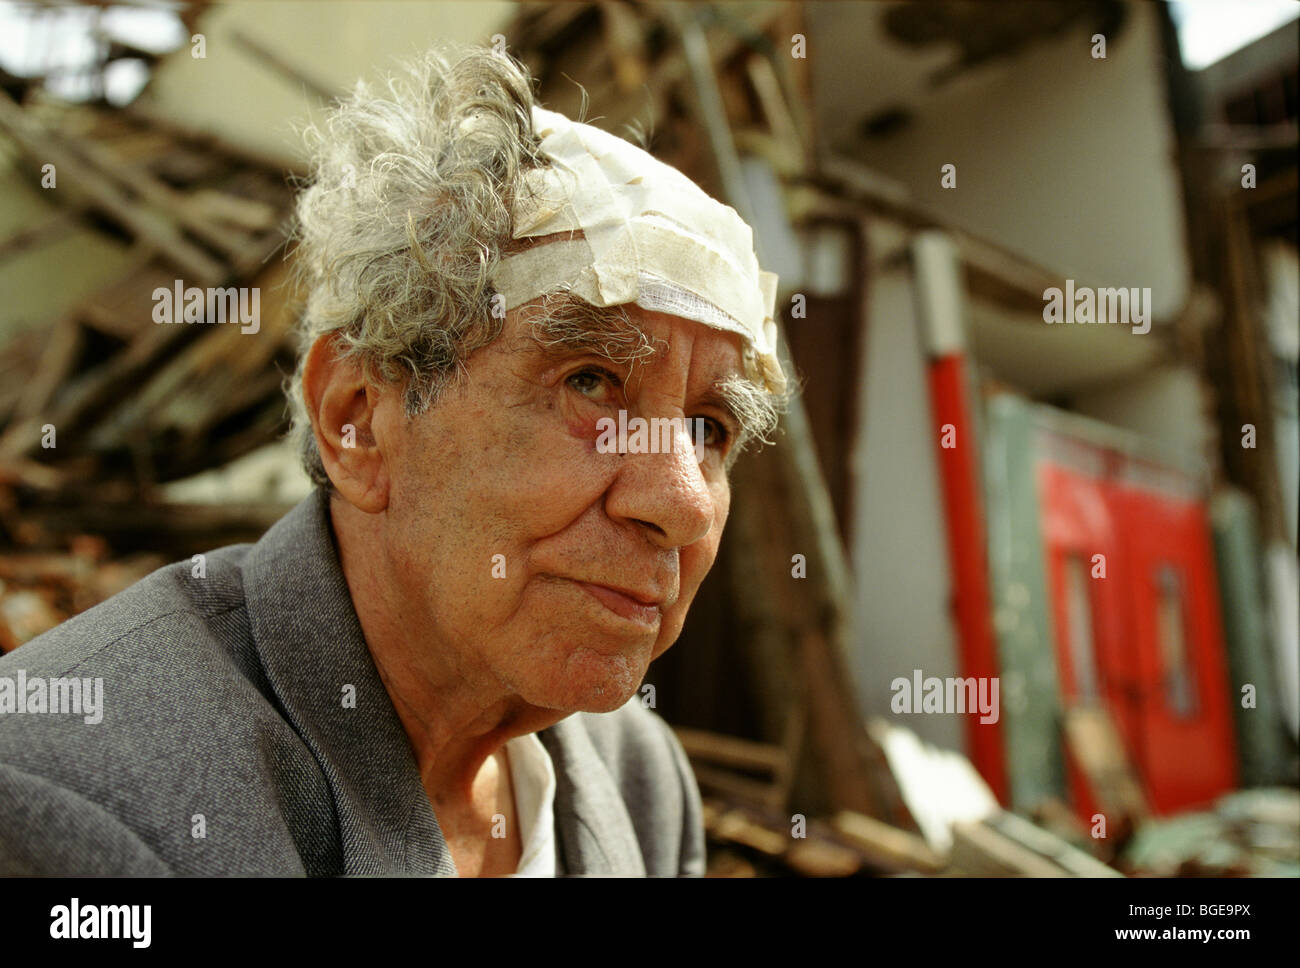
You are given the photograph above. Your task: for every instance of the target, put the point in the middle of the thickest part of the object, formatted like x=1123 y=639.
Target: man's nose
x=665 y=492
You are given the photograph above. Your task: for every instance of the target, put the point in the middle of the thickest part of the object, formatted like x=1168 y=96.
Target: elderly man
x=431 y=665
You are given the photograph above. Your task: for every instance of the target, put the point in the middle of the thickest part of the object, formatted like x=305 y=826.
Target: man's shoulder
x=142 y=714
x=192 y=593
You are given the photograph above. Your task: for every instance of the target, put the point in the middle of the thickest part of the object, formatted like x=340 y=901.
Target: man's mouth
x=636 y=606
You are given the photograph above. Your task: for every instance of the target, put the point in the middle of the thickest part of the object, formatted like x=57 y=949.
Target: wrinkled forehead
x=559 y=322
x=678 y=340
x=614 y=225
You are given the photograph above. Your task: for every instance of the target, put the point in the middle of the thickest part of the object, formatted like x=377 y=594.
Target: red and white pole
x=939 y=299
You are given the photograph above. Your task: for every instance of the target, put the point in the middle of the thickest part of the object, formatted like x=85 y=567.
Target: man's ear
x=342 y=406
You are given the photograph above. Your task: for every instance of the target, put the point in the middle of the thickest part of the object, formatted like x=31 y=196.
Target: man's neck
x=456 y=715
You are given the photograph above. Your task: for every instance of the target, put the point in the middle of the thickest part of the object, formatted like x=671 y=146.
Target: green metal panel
x=1261 y=738
x=1031 y=711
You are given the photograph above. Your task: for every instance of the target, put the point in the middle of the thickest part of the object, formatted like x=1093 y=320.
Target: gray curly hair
x=408 y=214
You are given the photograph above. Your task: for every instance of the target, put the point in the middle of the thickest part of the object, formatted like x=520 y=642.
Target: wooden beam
x=100 y=389
x=886 y=847
x=732 y=786
x=980 y=851
x=103 y=194
x=1061 y=852
x=1096 y=747
x=157 y=194
x=730 y=750
x=56 y=362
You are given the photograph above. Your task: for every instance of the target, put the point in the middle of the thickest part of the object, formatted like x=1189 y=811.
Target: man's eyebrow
x=749 y=405
x=719 y=398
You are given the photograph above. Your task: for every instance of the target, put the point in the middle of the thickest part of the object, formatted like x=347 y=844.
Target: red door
x=1090 y=608
x=1135 y=610
x=1189 y=753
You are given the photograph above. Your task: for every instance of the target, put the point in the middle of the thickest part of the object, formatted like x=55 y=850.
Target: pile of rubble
x=102 y=407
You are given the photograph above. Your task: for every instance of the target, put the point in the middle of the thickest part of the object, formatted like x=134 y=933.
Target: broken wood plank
x=1059 y=851
x=56 y=362
x=730 y=750
x=165 y=527
x=93 y=393
x=815 y=857
x=156 y=193
x=886 y=847
x=735 y=826
x=29 y=473
x=734 y=786
x=981 y=851
x=107 y=196
x=245 y=213
x=1095 y=745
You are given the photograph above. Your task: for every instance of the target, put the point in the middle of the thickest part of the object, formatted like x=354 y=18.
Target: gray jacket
x=226 y=747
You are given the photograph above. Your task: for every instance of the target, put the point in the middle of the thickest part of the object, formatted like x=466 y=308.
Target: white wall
x=233 y=94
x=1168 y=404
x=898 y=546
x=1066 y=160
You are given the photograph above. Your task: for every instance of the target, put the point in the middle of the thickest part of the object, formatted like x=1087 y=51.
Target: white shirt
x=532 y=778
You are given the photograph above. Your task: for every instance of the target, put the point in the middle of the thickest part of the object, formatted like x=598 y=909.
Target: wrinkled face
x=547 y=564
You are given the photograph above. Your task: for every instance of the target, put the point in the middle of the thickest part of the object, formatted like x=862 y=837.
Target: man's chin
x=595 y=682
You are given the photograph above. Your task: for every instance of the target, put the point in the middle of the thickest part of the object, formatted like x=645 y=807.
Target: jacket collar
x=316 y=660
x=595 y=831
x=310 y=642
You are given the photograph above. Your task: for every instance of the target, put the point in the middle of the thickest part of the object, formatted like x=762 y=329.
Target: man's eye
x=715 y=432
x=589 y=382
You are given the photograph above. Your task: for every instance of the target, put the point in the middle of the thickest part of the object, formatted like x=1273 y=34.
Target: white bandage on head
x=635 y=230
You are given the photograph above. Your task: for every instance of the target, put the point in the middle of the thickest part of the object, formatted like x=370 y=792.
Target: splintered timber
x=228 y=304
